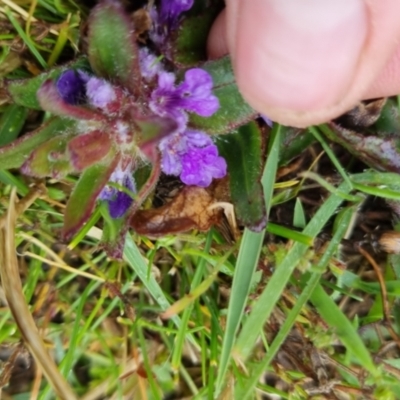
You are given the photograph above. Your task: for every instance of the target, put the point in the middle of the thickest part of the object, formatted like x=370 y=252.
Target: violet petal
x=71 y=86
x=201 y=165
x=196 y=93
x=99 y=92
x=118 y=200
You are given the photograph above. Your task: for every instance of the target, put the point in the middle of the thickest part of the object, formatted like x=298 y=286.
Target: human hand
x=306 y=62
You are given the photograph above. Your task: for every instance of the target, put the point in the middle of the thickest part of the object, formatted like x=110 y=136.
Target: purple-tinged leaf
x=24 y=91
x=51 y=101
x=84 y=196
x=369 y=131
x=243 y=151
x=15 y=154
x=113 y=52
x=49 y=159
x=89 y=149
x=382 y=153
x=233 y=111
x=152 y=130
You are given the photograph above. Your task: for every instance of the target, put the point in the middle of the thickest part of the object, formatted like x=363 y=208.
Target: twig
x=24 y=203
x=12 y=285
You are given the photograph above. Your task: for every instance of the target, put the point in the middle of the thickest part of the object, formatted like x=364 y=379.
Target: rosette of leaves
x=105 y=136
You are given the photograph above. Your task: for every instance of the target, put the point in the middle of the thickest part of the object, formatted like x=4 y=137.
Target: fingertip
x=388 y=81
x=217 y=42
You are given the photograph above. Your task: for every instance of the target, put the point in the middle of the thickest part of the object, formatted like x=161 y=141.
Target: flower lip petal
x=196 y=93
x=119 y=205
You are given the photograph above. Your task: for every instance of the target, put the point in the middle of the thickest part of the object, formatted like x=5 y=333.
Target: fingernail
x=298 y=55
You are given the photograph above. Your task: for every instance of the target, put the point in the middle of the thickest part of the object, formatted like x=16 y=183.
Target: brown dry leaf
x=192 y=208
x=142 y=23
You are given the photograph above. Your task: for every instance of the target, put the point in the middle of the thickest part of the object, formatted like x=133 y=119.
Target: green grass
x=193 y=315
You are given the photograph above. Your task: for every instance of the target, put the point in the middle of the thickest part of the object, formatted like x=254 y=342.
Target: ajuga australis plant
x=125 y=106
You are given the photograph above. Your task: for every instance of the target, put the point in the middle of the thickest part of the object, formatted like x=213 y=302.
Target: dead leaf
x=189 y=209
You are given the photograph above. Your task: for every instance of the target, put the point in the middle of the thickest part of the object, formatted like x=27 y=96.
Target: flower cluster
x=76 y=87
x=187 y=153
x=166 y=17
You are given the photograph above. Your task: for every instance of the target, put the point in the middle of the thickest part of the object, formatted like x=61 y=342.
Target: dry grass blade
x=12 y=286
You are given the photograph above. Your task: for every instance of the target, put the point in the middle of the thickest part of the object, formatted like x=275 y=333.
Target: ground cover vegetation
x=159 y=239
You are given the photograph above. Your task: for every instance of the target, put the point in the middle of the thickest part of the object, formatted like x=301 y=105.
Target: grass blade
x=312 y=282
x=135 y=259
x=263 y=307
x=247 y=262
x=345 y=330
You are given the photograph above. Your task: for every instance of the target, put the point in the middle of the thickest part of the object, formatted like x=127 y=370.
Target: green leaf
x=389 y=120
x=113 y=52
x=243 y=152
x=16 y=153
x=49 y=159
x=294 y=142
x=23 y=91
x=83 y=197
x=189 y=42
x=233 y=111
x=11 y=123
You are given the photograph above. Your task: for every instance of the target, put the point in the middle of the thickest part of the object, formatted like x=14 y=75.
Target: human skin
x=306 y=62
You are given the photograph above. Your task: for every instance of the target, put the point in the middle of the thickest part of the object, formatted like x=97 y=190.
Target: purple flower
x=193 y=157
x=71 y=86
x=150 y=66
x=193 y=94
x=170 y=11
x=268 y=121
x=74 y=85
x=118 y=200
x=166 y=18
x=99 y=92
x=201 y=164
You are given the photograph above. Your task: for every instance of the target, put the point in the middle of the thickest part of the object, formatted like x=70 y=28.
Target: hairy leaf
x=233 y=111
x=11 y=123
x=370 y=132
x=294 y=142
x=189 y=42
x=153 y=129
x=49 y=159
x=243 y=151
x=51 y=101
x=113 y=53
x=88 y=149
x=15 y=154
x=84 y=195
x=23 y=91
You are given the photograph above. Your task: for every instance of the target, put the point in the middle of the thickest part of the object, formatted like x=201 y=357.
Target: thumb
x=306 y=62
